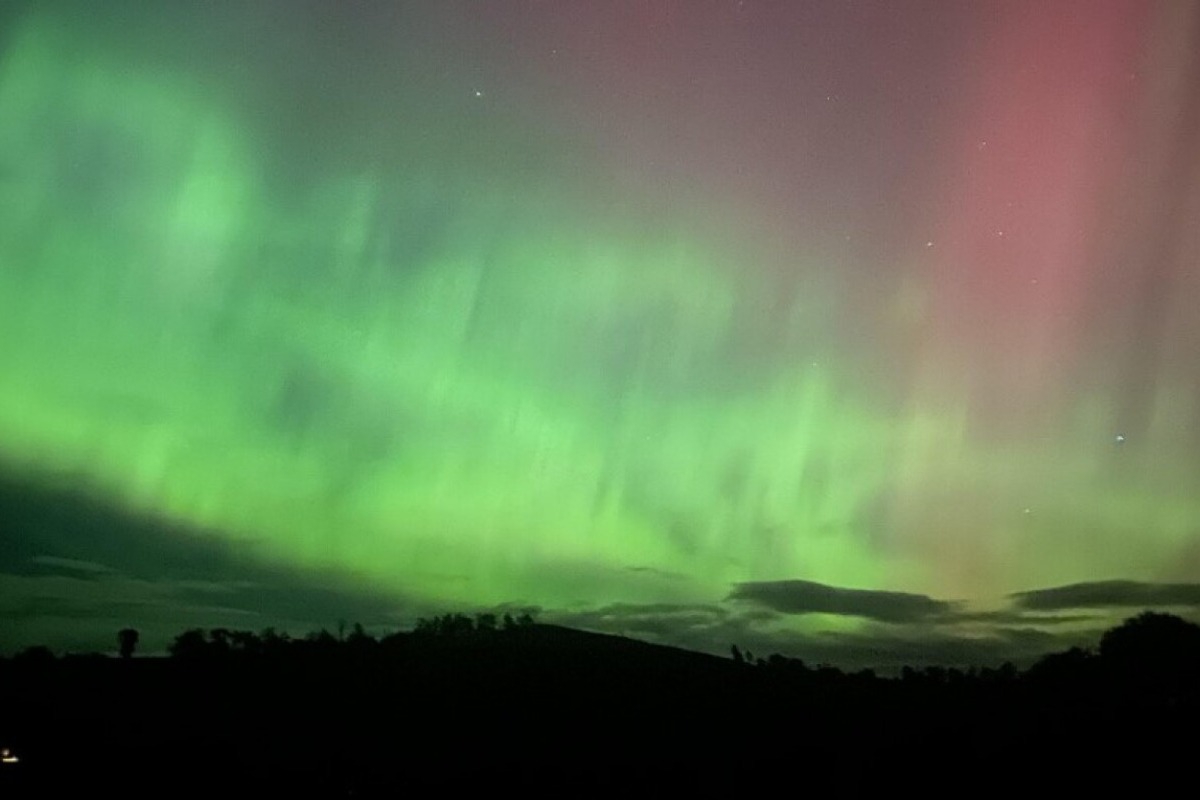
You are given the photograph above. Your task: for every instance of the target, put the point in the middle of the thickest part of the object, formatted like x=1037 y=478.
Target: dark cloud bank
x=75 y=567
x=1110 y=594
x=807 y=597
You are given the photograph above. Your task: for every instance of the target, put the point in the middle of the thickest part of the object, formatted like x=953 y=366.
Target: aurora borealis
x=651 y=315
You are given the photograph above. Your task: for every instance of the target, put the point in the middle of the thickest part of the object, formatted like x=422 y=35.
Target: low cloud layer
x=1110 y=594
x=75 y=569
x=808 y=597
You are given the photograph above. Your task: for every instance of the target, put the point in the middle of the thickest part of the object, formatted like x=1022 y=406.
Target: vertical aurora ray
x=1003 y=329
x=514 y=308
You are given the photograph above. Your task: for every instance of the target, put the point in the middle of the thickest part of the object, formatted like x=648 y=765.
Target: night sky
x=865 y=332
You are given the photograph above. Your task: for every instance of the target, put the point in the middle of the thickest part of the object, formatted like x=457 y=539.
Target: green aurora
x=465 y=363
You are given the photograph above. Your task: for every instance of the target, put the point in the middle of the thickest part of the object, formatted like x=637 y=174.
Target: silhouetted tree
x=485 y=622
x=127 y=642
x=781 y=664
x=359 y=640
x=321 y=641
x=220 y=641
x=274 y=644
x=36 y=655
x=1153 y=653
x=245 y=642
x=737 y=654
x=1151 y=636
x=936 y=674
x=189 y=644
x=451 y=625
x=1064 y=666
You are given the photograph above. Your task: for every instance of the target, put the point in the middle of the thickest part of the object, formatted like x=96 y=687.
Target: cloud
x=78 y=566
x=83 y=611
x=1024 y=617
x=659 y=573
x=1109 y=594
x=896 y=628
x=73 y=566
x=880 y=645
x=808 y=597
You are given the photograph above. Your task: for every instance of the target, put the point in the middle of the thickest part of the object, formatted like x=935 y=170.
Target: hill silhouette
x=512 y=704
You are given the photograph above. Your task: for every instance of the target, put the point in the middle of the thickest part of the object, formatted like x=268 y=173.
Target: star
x=1120 y=438
x=478 y=93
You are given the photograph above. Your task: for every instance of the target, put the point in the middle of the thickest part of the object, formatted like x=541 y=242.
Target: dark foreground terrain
x=452 y=709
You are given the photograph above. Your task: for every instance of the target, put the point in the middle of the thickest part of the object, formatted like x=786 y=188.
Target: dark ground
x=547 y=709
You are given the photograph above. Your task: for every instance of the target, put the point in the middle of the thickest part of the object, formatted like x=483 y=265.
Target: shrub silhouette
x=127 y=642
x=189 y=645
x=1152 y=654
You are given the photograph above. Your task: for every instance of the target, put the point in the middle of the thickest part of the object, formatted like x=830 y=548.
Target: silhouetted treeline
x=218 y=643
x=507 y=700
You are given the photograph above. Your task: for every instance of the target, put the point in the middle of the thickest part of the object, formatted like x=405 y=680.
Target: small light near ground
x=7 y=756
